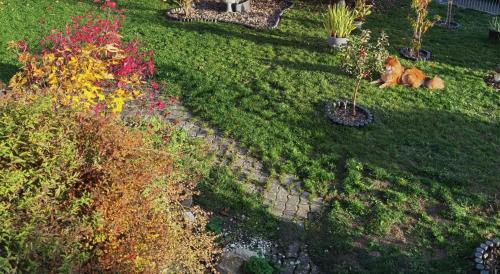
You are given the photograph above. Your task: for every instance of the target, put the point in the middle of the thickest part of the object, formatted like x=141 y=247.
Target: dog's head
x=390 y=63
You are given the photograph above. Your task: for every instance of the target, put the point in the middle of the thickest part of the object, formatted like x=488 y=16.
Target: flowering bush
x=362 y=59
x=87 y=65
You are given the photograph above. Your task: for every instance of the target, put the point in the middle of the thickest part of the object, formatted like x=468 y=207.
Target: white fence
x=488 y=6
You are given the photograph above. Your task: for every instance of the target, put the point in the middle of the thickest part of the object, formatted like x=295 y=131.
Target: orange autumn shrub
x=138 y=197
x=85 y=194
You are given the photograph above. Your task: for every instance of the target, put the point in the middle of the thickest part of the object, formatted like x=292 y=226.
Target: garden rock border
x=170 y=14
x=453 y=24
x=490 y=81
x=405 y=53
x=481 y=255
x=336 y=120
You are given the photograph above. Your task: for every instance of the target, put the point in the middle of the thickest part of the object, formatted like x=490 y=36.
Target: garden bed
x=490 y=81
x=341 y=113
x=263 y=14
x=424 y=55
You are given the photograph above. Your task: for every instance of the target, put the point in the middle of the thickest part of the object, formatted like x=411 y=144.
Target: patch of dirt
x=263 y=14
x=348 y=116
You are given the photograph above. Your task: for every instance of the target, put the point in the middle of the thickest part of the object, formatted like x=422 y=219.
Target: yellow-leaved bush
x=79 y=80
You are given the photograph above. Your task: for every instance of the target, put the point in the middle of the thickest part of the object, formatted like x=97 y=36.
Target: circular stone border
x=453 y=24
x=170 y=14
x=479 y=254
x=405 y=53
x=490 y=81
x=336 y=120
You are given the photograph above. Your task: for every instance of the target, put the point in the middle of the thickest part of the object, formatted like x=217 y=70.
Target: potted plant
x=420 y=24
x=448 y=22
x=360 y=59
x=339 y=23
x=361 y=10
x=495 y=29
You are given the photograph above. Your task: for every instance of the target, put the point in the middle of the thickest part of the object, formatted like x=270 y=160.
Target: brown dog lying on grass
x=396 y=74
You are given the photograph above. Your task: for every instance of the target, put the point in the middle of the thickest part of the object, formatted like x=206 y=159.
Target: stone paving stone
x=277 y=211
x=209 y=139
x=257 y=164
x=249 y=188
x=287 y=179
x=282 y=196
x=193 y=130
x=187 y=126
x=316 y=205
x=291 y=205
x=203 y=133
x=271 y=193
x=302 y=211
x=239 y=161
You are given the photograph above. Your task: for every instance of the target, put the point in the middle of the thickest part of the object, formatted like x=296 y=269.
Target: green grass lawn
x=427 y=167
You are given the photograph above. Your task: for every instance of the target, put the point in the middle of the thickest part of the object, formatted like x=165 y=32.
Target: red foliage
x=129 y=72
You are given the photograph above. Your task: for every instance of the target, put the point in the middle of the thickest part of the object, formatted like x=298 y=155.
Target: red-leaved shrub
x=89 y=66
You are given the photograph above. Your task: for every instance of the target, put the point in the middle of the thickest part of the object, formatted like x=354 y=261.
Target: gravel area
x=263 y=14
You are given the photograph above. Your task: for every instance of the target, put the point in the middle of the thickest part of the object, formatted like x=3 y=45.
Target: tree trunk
x=449 y=15
x=355 y=95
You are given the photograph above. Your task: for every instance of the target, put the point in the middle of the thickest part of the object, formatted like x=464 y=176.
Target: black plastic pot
x=330 y=113
x=494 y=35
x=424 y=55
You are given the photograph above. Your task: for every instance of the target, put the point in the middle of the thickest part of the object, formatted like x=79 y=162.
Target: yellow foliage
x=79 y=80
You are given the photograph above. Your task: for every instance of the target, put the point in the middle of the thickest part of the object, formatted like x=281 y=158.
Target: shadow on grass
x=260 y=37
x=7 y=71
x=303 y=66
x=223 y=194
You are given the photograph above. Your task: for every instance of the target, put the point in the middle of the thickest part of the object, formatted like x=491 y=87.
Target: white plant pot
x=497 y=77
x=337 y=41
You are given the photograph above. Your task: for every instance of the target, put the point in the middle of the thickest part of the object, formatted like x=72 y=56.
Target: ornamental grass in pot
x=339 y=23
x=495 y=29
x=361 y=10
